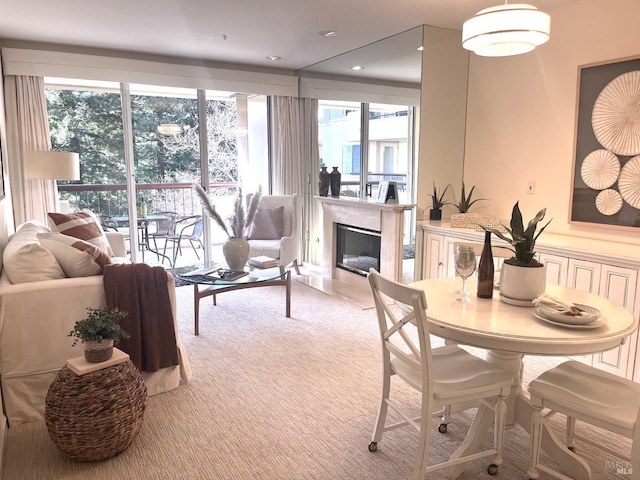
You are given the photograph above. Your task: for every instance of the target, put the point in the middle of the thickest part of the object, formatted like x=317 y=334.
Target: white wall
x=442 y=114
x=521 y=114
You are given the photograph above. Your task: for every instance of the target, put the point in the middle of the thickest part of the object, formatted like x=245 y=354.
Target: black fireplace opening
x=358 y=249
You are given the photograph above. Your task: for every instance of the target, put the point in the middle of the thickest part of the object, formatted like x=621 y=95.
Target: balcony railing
x=111 y=200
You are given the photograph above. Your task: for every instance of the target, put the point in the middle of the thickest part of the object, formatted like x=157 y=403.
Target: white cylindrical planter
x=522 y=283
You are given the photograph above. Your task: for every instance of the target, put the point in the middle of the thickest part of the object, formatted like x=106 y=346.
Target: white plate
x=516 y=302
x=587 y=316
x=600 y=322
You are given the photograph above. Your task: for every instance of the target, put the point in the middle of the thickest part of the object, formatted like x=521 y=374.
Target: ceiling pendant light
x=169 y=129
x=506 y=30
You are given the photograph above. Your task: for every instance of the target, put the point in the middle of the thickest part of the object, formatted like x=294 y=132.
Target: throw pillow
x=25 y=260
x=76 y=257
x=268 y=224
x=83 y=225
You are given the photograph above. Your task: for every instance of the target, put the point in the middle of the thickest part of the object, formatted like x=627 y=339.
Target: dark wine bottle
x=486 y=269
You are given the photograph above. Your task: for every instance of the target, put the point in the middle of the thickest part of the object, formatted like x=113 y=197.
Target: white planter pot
x=236 y=253
x=522 y=283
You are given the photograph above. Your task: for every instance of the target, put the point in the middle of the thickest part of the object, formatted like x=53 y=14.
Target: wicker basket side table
x=95 y=416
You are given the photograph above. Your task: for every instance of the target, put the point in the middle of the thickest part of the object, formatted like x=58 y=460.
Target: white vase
x=236 y=253
x=522 y=283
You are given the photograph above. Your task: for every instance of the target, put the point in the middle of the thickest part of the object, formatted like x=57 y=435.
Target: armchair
x=276 y=229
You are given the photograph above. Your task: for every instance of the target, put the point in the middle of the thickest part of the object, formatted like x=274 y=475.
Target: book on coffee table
x=199 y=272
x=229 y=275
x=263 y=261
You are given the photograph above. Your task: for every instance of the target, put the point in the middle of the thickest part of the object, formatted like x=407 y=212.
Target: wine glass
x=465 y=258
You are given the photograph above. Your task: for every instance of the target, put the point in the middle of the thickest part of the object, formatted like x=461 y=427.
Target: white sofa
x=35 y=319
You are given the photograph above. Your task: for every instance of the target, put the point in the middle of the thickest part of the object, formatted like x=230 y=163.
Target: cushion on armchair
x=83 y=225
x=76 y=257
x=268 y=224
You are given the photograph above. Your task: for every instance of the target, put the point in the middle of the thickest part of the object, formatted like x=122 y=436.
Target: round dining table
x=509 y=332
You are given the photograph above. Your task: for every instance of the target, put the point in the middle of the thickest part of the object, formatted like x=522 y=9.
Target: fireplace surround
x=388 y=219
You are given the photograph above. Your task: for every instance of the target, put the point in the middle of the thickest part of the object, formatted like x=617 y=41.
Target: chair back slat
x=393 y=299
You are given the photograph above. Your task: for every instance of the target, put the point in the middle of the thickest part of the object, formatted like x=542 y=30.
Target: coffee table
x=256 y=277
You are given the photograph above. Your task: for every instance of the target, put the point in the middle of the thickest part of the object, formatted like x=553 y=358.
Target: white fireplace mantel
x=386 y=218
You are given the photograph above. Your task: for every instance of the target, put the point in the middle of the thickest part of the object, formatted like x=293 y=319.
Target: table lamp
x=51 y=165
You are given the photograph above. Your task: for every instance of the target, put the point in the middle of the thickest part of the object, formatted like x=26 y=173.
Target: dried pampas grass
x=242 y=216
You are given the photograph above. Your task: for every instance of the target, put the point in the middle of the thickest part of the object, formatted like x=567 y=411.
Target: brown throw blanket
x=141 y=290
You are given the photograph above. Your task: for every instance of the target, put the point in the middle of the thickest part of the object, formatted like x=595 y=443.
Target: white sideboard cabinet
x=605 y=268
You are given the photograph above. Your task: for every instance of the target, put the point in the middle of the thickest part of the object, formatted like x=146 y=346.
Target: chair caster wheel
x=573 y=449
x=492 y=469
x=373 y=446
x=442 y=428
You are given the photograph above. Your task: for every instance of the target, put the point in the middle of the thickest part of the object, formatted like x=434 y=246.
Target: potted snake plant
x=522 y=277
x=437 y=202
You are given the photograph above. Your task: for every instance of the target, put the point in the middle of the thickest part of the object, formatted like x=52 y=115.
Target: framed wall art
x=606 y=166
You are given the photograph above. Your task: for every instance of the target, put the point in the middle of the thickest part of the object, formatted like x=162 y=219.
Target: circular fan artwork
x=600 y=169
x=629 y=182
x=616 y=115
x=609 y=202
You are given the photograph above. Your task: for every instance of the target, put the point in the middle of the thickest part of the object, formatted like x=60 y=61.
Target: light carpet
x=275 y=398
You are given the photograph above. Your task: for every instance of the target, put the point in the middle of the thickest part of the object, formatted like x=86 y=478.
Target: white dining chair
x=584 y=393
x=445 y=375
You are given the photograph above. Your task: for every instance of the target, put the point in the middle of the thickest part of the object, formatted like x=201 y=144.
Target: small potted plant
x=465 y=202
x=522 y=277
x=98 y=331
x=437 y=202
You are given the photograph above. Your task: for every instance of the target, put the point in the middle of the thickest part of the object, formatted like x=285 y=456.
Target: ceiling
x=235 y=31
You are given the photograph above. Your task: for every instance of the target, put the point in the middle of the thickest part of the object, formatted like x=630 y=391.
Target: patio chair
x=163 y=228
x=188 y=228
x=444 y=376
x=107 y=223
x=582 y=392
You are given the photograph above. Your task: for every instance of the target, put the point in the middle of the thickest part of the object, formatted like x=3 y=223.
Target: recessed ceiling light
x=420 y=48
x=273 y=57
x=328 y=33
x=357 y=67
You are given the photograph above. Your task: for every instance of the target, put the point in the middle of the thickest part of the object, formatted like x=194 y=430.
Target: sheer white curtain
x=310 y=155
x=28 y=129
x=287 y=169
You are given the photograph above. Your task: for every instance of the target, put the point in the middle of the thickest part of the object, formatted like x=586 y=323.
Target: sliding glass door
x=86 y=117
x=134 y=184
x=339 y=138
x=369 y=143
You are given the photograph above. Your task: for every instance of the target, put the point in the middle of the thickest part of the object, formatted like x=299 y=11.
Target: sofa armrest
x=117 y=242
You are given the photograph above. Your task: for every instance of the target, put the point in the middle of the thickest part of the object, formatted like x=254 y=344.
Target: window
x=87 y=117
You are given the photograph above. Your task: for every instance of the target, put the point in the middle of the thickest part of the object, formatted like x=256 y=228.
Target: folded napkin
x=549 y=301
